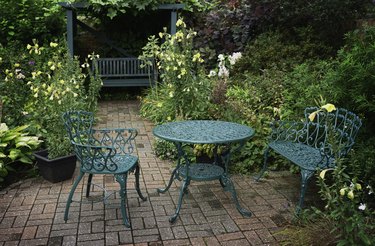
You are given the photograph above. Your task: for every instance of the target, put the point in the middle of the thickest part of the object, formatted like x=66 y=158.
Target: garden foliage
x=16 y=145
x=184 y=90
x=23 y=20
x=51 y=82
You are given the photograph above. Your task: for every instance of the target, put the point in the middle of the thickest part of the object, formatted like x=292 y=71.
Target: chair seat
x=305 y=156
x=124 y=162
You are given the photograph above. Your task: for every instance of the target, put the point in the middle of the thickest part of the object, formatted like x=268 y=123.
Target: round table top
x=203 y=132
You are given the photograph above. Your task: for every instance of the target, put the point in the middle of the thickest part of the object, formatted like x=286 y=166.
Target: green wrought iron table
x=222 y=135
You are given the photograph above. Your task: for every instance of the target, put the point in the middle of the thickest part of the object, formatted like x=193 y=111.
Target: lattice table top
x=203 y=132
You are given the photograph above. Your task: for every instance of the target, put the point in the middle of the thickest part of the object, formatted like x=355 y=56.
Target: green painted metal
x=219 y=133
x=118 y=72
x=306 y=143
x=103 y=151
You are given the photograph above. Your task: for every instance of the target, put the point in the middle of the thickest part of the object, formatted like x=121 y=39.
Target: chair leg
x=137 y=172
x=70 y=197
x=305 y=176
x=265 y=166
x=122 y=179
x=89 y=185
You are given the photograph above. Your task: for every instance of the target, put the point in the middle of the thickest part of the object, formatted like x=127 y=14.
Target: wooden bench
x=307 y=145
x=124 y=72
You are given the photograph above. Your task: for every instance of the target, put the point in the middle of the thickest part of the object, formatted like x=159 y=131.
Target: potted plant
x=57 y=85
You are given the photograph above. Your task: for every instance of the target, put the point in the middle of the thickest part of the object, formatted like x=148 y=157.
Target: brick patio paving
x=31 y=211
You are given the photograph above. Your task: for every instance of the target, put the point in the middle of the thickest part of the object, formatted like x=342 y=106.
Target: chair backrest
x=78 y=124
x=93 y=156
x=345 y=126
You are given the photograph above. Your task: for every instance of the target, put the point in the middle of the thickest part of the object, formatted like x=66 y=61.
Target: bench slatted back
x=122 y=67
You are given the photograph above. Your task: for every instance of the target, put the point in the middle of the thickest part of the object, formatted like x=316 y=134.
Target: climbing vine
x=113 y=8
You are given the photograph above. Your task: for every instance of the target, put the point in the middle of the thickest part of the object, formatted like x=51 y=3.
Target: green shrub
x=21 y=21
x=278 y=50
x=256 y=102
x=165 y=150
x=305 y=83
x=353 y=79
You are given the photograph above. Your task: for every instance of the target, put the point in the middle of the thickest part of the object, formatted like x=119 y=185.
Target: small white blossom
x=234 y=57
x=223 y=72
x=221 y=57
x=362 y=206
x=212 y=73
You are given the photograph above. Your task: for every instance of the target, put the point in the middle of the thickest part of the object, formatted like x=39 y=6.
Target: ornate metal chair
x=313 y=145
x=105 y=151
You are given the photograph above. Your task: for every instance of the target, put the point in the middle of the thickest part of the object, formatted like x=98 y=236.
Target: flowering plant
x=56 y=84
x=185 y=90
x=225 y=63
x=346 y=198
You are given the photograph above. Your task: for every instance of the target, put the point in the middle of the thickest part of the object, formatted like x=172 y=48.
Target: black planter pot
x=55 y=170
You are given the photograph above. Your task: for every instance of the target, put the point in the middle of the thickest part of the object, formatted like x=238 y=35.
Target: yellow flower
x=171 y=94
x=17 y=65
x=61 y=81
x=159 y=105
x=323 y=173
x=28 y=46
x=169 y=118
x=53 y=67
x=329 y=107
x=53 y=45
x=342 y=191
x=160 y=34
x=351 y=195
x=180 y=22
x=358 y=186
x=313 y=115
x=196 y=57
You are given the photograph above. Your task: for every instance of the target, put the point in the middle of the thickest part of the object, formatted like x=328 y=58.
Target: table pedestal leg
x=228 y=185
x=173 y=176
x=183 y=190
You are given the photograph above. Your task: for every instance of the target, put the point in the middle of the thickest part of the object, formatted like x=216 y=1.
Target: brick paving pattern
x=31 y=211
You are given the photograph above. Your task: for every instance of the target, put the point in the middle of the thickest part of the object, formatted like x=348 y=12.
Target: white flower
x=221 y=57
x=369 y=189
x=362 y=206
x=234 y=57
x=20 y=76
x=212 y=73
x=223 y=72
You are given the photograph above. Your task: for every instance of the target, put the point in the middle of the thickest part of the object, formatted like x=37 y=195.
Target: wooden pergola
x=116 y=72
